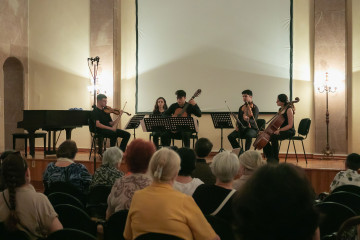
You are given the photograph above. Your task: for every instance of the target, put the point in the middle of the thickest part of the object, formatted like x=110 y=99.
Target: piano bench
x=26 y=137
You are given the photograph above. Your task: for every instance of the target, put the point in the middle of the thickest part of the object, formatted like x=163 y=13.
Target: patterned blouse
x=347 y=177
x=123 y=191
x=75 y=173
x=105 y=175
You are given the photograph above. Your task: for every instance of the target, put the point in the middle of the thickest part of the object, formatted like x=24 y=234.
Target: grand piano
x=52 y=121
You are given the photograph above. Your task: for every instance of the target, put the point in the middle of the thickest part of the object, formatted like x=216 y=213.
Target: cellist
x=286 y=130
x=177 y=108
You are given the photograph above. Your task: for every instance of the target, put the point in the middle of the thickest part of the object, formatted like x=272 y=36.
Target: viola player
x=248 y=114
x=286 y=130
x=107 y=127
x=183 y=109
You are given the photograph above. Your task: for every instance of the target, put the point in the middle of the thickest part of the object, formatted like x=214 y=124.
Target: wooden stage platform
x=320 y=172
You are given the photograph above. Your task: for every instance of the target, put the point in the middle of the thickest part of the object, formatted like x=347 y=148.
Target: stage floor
x=320 y=172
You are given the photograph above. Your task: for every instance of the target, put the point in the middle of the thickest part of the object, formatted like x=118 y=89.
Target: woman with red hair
x=137 y=157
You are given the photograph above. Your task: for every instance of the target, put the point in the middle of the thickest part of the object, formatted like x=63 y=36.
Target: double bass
x=275 y=123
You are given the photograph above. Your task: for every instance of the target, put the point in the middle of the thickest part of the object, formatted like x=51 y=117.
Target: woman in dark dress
x=159 y=108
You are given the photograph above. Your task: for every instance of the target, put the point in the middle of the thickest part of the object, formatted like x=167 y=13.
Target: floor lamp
x=327 y=152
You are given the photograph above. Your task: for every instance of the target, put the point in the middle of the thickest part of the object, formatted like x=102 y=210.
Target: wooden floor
x=320 y=172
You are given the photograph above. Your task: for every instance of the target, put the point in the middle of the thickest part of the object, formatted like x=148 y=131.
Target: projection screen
x=219 y=46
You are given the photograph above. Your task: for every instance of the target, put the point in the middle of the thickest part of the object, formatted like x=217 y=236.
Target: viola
x=181 y=112
x=276 y=121
x=115 y=111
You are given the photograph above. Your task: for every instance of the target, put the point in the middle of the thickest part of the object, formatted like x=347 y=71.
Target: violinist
x=107 y=127
x=191 y=108
x=159 y=108
x=248 y=114
x=286 y=130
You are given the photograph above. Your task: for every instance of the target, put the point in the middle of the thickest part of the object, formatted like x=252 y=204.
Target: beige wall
x=13 y=43
x=354 y=78
x=59 y=40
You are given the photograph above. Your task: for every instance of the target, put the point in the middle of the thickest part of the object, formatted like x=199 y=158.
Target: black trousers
x=164 y=138
x=247 y=133
x=183 y=135
x=114 y=135
x=271 y=150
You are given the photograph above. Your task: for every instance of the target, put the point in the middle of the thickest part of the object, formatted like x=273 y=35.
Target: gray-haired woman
x=108 y=172
x=216 y=199
x=160 y=203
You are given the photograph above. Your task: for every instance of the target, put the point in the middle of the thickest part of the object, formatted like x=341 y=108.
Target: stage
x=319 y=171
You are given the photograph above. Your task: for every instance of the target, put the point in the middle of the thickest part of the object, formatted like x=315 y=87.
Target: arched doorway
x=13 y=98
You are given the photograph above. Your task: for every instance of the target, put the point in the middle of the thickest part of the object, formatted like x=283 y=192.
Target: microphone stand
x=94 y=74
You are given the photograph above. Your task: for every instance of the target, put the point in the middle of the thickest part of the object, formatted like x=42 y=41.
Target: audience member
x=216 y=199
x=249 y=162
x=276 y=203
x=350 y=176
x=21 y=207
x=2 y=157
x=184 y=182
x=160 y=208
x=66 y=170
x=202 y=170
x=108 y=172
x=137 y=157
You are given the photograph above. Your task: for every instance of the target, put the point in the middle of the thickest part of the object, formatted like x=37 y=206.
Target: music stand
x=185 y=124
x=155 y=124
x=221 y=120
x=134 y=122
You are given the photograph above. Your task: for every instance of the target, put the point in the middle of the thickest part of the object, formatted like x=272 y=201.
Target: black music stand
x=155 y=124
x=221 y=120
x=186 y=124
x=134 y=122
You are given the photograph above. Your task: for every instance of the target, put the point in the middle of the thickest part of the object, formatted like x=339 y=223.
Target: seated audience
x=249 y=162
x=184 y=182
x=21 y=207
x=350 y=176
x=160 y=208
x=216 y=199
x=66 y=170
x=108 y=172
x=2 y=157
x=137 y=157
x=202 y=170
x=276 y=203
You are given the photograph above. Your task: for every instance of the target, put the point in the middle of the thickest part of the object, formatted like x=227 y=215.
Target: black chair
x=157 y=236
x=348 y=199
x=57 y=198
x=65 y=187
x=16 y=235
x=69 y=233
x=303 y=130
x=97 y=201
x=26 y=137
x=222 y=228
x=76 y=218
x=332 y=215
x=115 y=226
x=98 y=142
x=260 y=122
x=348 y=188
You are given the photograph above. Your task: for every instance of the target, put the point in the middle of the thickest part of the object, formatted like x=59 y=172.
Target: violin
x=247 y=110
x=181 y=112
x=276 y=121
x=115 y=111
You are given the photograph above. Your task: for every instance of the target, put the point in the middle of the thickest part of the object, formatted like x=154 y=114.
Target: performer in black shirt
x=159 y=109
x=105 y=126
x=249 y=122
x=192 y=108
x=287 y=130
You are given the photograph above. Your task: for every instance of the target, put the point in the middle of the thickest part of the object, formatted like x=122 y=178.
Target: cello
x=275 y=123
